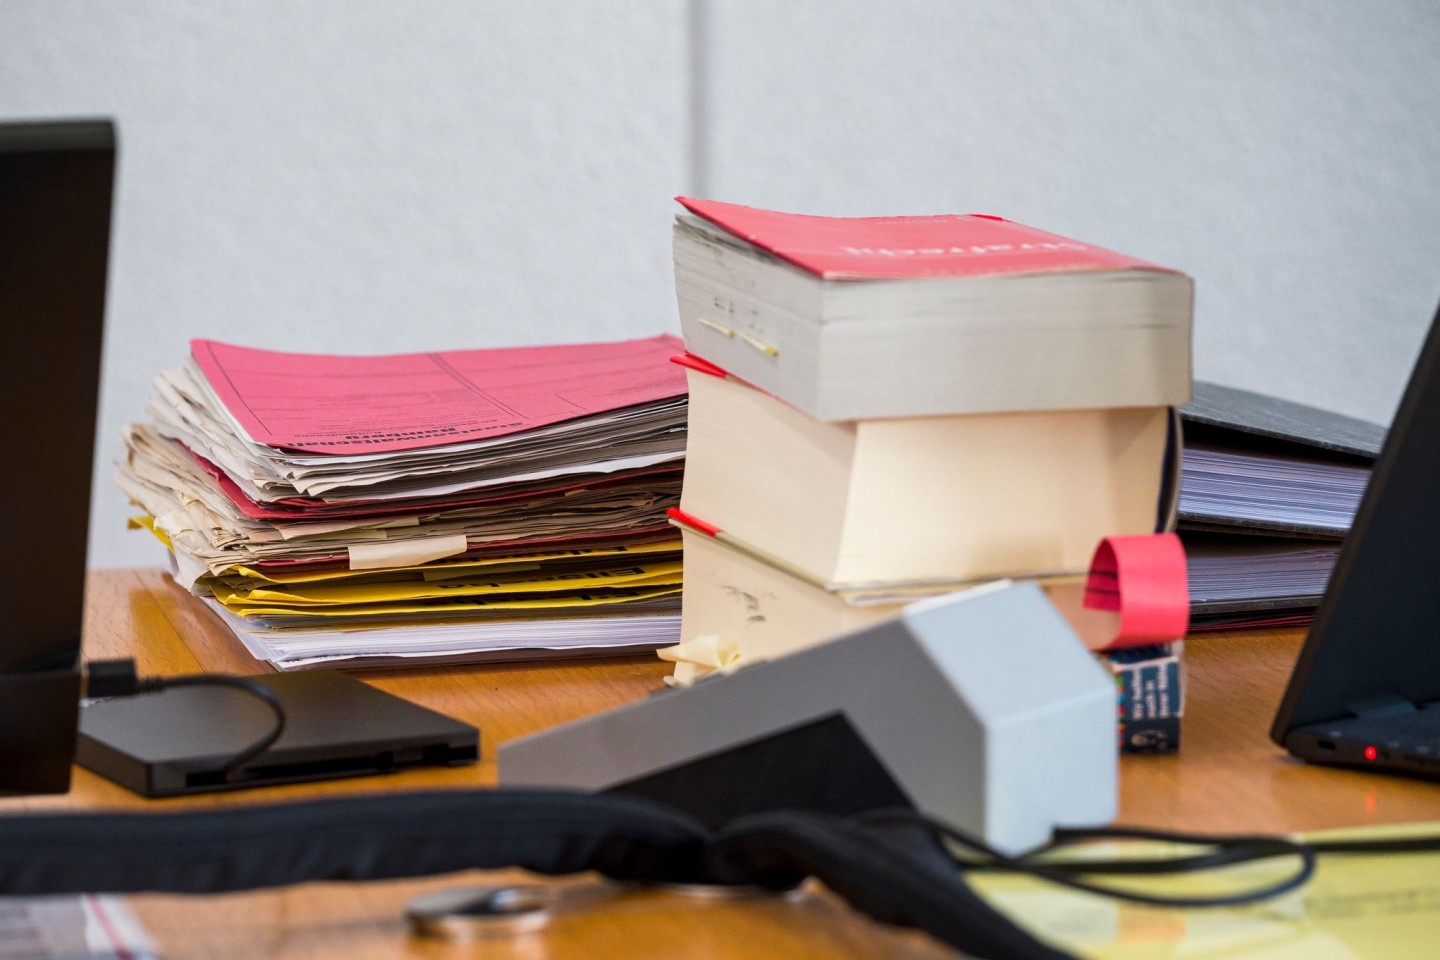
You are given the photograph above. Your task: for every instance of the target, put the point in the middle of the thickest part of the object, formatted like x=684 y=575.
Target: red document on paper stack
x=341 y=404
x=308 y=493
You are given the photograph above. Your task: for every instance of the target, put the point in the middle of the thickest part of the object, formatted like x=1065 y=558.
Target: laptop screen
x=55 y=197
x=1377 y=631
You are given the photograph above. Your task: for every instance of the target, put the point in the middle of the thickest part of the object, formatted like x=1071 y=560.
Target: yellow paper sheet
x=542 y=602
x=410 y=590
x=458 y=568
x=147 y=522
x=1357 y=906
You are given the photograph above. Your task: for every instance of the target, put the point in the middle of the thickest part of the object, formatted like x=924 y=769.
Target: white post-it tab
x=404 y=553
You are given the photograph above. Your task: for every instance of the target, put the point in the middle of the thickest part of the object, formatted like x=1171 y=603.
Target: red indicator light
x=1371 y=753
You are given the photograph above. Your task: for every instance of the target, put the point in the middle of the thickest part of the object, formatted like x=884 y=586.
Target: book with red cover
x=854 y=318
x=907 y=248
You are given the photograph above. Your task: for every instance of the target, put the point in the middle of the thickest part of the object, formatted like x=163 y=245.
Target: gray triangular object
x=981 y=708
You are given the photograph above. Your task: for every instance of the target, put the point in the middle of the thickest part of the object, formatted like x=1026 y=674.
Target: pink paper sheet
x=322 y=403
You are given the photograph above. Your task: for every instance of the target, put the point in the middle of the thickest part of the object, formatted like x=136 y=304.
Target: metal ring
x=712 y=891
x=479 y=913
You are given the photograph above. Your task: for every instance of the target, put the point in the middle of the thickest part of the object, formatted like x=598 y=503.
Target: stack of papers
x=496 y=504
x=1235 y=574
x=1285 y=493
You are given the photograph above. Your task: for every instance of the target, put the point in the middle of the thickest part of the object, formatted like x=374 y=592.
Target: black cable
x=1227 y=850
x=1230 y=850
x=117 y=678
x=253 y=687
x=1390 y=845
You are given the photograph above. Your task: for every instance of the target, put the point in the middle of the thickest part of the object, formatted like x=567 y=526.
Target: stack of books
x=482 y=504
x=884 y=409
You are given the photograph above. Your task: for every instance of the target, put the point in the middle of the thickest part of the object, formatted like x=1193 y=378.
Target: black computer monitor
x=55 y=196
x=1366 y=689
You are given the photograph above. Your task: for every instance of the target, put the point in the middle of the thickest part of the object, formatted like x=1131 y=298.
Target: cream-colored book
x=921 y=499
x=757 y=610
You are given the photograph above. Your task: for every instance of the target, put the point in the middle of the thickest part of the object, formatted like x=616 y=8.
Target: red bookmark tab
x=684 y=519
x=692 y=362
x=1143 y=579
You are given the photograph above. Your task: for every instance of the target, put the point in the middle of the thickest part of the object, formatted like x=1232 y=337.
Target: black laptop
x=1366 y=689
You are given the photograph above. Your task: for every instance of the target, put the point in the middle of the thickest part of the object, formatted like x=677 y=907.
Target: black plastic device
x=1366 y=688
x=180 y=740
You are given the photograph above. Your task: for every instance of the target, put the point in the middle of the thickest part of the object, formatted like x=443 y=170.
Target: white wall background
x=374 y=176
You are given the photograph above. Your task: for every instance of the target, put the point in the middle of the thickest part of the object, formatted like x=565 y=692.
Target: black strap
x=354 y=838
x=894 y=873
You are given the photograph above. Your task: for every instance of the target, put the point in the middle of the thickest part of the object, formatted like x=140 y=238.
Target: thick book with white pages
x=861 y=318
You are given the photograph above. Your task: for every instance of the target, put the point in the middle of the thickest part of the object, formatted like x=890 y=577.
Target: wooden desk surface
x=1227 y=777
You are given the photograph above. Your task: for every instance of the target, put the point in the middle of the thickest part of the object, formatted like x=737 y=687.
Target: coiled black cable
x=117 y=678
x=1226 y=851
